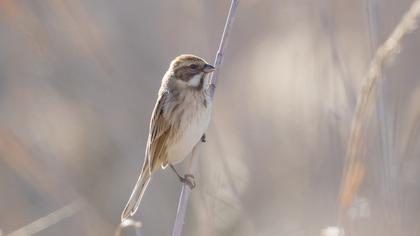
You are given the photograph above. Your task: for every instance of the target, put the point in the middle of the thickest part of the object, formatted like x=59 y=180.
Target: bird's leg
x=176 y=172
x=203 y=138
x=187 y=179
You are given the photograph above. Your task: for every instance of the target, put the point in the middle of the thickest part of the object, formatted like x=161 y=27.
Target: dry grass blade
x=185 y=193
x=354 y=170
x=49 y=220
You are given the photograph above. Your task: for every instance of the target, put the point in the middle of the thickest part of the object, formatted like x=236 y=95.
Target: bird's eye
x=193 y=66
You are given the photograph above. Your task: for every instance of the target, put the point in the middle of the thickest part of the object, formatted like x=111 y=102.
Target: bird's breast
x=190 y=123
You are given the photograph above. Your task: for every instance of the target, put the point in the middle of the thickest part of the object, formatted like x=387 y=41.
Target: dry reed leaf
x=50 y=219
x=354 y=170
x=353 y=180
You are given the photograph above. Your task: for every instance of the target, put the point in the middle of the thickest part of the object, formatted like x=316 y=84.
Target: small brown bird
x=180 y=118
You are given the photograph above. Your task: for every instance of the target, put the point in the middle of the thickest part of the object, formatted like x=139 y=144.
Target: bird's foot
x=189 y=180
x=203 y=138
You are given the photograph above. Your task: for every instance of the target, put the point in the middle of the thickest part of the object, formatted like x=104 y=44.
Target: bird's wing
x=156 y=145
x=158 y=133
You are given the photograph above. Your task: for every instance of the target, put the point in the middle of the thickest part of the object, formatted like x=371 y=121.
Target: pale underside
x=177 y=125
x=194 y=122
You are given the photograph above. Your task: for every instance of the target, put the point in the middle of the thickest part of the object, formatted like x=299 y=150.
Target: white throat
x=195 y=80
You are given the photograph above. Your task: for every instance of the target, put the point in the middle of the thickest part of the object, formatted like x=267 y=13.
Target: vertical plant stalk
x=354 y=170
x=222 y=47
x=193 y=163
x=386 y=118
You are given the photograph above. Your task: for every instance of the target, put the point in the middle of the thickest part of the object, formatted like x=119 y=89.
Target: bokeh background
x=79 y=79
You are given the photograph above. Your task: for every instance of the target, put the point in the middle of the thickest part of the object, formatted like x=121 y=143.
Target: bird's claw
x=203 y=138
x=188 y=179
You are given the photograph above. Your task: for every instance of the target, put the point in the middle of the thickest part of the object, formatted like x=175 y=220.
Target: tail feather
x=137 y=194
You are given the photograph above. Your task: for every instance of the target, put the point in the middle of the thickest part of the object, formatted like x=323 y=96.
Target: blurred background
x=79 y=79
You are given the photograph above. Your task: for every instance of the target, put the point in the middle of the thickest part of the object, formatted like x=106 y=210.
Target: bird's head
x=190 y=70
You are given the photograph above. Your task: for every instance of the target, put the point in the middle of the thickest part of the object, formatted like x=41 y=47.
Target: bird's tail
x=138 y=191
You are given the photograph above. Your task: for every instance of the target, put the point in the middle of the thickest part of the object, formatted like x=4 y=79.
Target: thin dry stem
x=50 y=219
x=185 y=192
x=354 y=170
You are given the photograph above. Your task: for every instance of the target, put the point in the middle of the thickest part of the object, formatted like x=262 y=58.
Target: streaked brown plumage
x=180 y=118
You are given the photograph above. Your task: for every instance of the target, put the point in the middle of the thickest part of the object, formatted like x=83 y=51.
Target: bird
x=179 y=121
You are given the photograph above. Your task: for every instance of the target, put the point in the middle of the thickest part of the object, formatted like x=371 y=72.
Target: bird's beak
x=208 y=68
